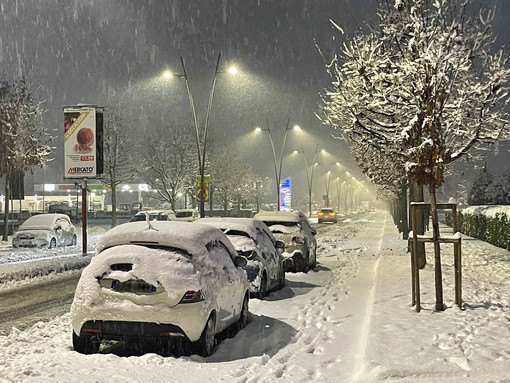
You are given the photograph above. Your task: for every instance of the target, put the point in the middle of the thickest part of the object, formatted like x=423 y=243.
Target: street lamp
x=201 y=144
x=278 y=168
x=309 y=177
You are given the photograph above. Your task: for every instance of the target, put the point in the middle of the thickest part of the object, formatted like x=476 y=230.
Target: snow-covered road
x=349 y=320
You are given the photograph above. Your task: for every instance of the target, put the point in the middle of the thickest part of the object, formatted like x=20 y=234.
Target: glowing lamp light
x=232 y=70
x=167 y=74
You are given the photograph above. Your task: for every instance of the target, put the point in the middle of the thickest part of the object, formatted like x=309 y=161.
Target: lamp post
x=309 y=177
x=278 y=167
x=201 y=144
x=327 y=181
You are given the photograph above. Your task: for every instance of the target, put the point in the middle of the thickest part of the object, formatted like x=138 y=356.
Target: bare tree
x=231 y=177
x=22 y=134
x=118 y=164
x=424 y=87
x=169 y=161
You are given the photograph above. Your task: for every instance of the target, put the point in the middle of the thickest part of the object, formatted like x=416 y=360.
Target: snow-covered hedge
x=488 y=223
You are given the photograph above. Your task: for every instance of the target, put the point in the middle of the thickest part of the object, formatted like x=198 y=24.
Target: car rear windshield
x=183 y=214
x=155 y=246
x=283 y=223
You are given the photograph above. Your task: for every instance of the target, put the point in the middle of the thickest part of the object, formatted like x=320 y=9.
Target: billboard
x=207 y=178
x=285 y=191
x=80 y=142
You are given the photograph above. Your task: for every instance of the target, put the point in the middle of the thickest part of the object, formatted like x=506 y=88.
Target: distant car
x=168 y=283
x=295 y=231
x=188 y=215
x=253 y=239
x=154 y=215
x=45 y=230
x=326 y=214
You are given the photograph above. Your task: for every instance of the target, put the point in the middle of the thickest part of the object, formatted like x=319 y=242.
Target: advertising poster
x=206 y=188
x=285 y=194
x=80 y=142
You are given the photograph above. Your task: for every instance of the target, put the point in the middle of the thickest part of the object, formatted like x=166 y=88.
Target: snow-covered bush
x=487 y=223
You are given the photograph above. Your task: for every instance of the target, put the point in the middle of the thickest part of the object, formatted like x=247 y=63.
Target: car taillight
x=192 y=296
x=332 y=214
x=320 y=213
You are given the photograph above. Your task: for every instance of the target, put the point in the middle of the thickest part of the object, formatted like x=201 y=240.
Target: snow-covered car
x=253 y=239
x=45 y=230
x=188 y=215
x=166 y=283
x=326 y=214
x=154 y=215
x=295 y=231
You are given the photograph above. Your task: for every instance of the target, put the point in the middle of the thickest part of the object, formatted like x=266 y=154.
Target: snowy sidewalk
x=468 y=345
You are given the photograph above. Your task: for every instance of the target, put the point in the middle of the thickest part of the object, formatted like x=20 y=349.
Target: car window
x=219 y=255
x=266 y=245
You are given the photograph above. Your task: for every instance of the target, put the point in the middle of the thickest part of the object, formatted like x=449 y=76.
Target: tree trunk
x=403 y=213
x=416 y=195
x=5 y=236
x=211 y=190
x=437 y=251
x=114 y=204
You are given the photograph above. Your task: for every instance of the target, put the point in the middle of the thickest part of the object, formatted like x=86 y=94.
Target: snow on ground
x=349 y=320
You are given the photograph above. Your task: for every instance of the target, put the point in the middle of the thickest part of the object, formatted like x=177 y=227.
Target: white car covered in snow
x=164 y=282
x=45 y=230
x=253 y=239
x=295 y=231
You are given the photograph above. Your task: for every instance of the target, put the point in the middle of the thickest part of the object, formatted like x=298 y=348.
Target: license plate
x=133 y=287
x=26 y=243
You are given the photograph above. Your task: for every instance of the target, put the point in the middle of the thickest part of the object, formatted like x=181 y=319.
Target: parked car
x=326 y=214
x=295 y=231
x=188 y=215
x=45 y=230
x=168 y=283
x=253 y=239
x=154 y=215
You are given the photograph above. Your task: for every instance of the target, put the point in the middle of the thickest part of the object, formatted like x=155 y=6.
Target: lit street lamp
x=201 y=144
x=309 y=177
x=278 y=168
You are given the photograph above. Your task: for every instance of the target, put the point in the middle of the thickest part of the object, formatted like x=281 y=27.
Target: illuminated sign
x=285 y=194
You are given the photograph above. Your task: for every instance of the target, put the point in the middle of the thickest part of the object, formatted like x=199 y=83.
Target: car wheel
x=314 y=263
x=262 y=288
x=73 y=241
x=281 y=285
x=243 y=318
x=85 y=344
x=205 y=345
x=320 y=221
x=53 y=243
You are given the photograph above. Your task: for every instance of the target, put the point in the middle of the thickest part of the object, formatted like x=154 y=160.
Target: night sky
x=113 y=52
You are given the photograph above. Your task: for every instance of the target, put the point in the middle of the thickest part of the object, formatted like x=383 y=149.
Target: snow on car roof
x=247 y=225
x=189 y=236
x=282 y=216
x=41 y=221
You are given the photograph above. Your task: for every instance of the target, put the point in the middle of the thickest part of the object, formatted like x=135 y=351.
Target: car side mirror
x=280 y=245
x=240 y=261
x=314 y=231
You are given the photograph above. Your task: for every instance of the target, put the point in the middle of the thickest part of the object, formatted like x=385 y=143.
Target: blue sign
x=285 y=193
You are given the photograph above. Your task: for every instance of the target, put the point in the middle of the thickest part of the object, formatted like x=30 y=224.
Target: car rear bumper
x=121 y=330
x=187 y=319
